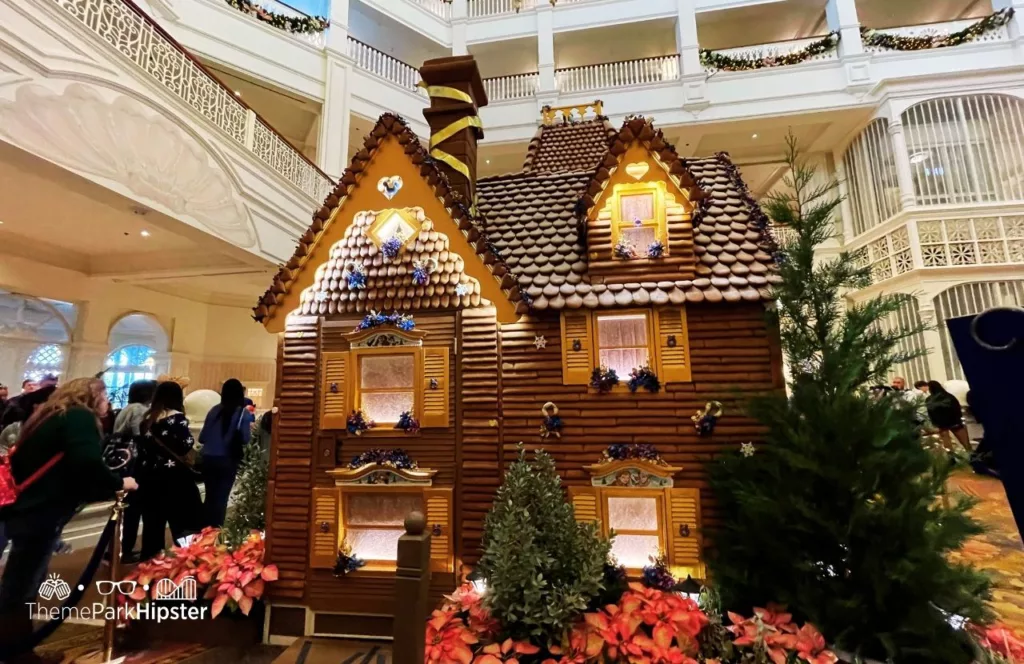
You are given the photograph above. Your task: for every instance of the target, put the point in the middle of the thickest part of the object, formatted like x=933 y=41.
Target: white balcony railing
x=383 y=65
x=776 y=49
x=936 y=29
x=156 y=53
x=504 y=88
x=618 y=74
x=480 y=8
x=317 y=39
x=436 y=7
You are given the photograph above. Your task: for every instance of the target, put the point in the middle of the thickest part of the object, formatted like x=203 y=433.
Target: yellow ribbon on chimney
x=462 y=123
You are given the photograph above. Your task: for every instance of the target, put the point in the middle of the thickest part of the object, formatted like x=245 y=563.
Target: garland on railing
x=296 y=24
x=922 y=42
x=720 y=61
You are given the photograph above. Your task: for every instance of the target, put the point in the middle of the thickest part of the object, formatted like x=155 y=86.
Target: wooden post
x=412 y=591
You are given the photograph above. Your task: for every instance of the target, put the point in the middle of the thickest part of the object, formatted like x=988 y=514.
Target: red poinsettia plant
x=230 y=578
x=771 y=631
x=998 y=643
x=646 y=626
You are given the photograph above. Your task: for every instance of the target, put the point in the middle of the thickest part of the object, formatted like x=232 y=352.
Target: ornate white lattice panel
x=977 y=241
x=965 y=300
x=871 y=182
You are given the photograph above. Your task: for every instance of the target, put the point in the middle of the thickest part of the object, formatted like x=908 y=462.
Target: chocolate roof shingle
x=569 y=147
x=536 y=221
x=530 y=231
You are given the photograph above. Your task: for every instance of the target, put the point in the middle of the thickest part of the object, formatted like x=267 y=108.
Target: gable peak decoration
x=390 y=185
x=296 y=274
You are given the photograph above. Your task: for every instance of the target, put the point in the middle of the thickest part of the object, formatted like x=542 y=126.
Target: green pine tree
x=842 y=515
x=248 y=509
x=542 y=566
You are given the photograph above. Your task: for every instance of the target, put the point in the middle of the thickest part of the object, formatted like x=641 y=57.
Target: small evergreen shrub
x=248 y=510
x=542 y=567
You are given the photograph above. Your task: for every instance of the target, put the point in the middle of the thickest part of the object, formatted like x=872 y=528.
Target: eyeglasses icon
x=124 y=587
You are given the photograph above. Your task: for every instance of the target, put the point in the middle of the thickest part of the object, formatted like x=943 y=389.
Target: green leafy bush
x=248 y=510
x=542 y=567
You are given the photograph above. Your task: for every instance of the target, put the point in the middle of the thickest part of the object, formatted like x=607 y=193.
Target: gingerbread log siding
x=288 y=514
x=480 y=416
x=730 y=353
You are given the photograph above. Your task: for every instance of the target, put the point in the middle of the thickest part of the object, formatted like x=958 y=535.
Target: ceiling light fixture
x=145 y=233
x=919 y=157
x=488 y=161
x=238 y=93
x=754 y=136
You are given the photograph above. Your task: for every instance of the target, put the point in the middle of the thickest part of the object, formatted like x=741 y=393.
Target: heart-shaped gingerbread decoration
x=637 y=169
x=389 y=185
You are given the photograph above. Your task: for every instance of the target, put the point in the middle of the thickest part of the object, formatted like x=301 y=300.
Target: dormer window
x=638 y=218
x=399 y=224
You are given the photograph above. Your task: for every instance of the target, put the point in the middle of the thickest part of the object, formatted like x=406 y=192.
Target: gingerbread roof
x=529 y=231
x=569 y=147
x=389 y=125
x=536 y=221
x=388 y=282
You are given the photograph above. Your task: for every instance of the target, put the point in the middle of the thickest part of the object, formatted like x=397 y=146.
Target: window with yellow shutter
x=623 y=341
x=385 y=382
x=638 y=217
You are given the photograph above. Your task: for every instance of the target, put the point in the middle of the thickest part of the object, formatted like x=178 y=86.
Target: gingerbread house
x=465 y=315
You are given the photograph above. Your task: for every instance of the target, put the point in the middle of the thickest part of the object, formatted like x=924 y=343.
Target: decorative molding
x=373 y=473
x=124 y=141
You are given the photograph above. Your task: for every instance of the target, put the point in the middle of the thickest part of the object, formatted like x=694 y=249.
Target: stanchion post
x=412 y=591
x=115 y=562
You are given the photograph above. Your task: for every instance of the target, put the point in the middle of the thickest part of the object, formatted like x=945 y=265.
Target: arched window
x=966 y=149
x=871 y=183
x=138 y=341
x=45 y=359
x=125 y=366
x=968 y=299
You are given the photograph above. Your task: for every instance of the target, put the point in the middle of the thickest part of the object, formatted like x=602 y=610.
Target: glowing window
x=638 y=216
x=623 y=342
x=125 y=366
x=393 y=224
x=387 y=385
x=636 y=522
x=45 y=359
x=375 y=521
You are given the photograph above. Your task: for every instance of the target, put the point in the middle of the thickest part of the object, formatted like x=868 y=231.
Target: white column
x=332 y=148
x=87 y=358
x=1016 y=24
x=546 y=50
x=904 y=174
x=842 y=18
x=460 y=16
x=845 y=209
x=687 y=42
x=932 y=338
x=692 y=74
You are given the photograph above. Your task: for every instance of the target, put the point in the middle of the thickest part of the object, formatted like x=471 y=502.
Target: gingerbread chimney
x=456 y=94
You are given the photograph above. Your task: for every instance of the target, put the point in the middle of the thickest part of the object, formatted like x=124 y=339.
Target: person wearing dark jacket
x=226 y=431
x=66 y=429
x=128 y=424
x=170 y=496
x=946 y=415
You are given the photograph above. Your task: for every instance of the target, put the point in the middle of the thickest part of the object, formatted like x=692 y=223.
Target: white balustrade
x=504 y=88
x=478 y=8
x=618 y=74
x=939 y=29
x=777 y=49
x=383 y=65
x=140 y=40
x=437 y=7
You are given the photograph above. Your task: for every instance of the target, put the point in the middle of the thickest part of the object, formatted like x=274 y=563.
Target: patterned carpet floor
x=999 y=551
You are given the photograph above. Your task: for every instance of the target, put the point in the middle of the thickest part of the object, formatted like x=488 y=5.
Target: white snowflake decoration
x=747 y=449
x=320 y=296
x=462 y=290
x=539 y=341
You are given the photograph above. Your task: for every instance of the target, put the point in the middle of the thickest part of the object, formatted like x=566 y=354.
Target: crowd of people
x=53 y=438
x=941 y=414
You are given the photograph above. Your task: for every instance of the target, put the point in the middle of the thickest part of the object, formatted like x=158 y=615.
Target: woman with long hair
x=64 y=432
x=947 y=416
x=170 y=495
x=226 y=432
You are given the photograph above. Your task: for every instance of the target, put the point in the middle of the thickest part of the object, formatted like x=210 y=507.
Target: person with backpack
x=226 y=431
x=55 y=466
x=946 y=414
x=166 y=468
x=128 y=431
